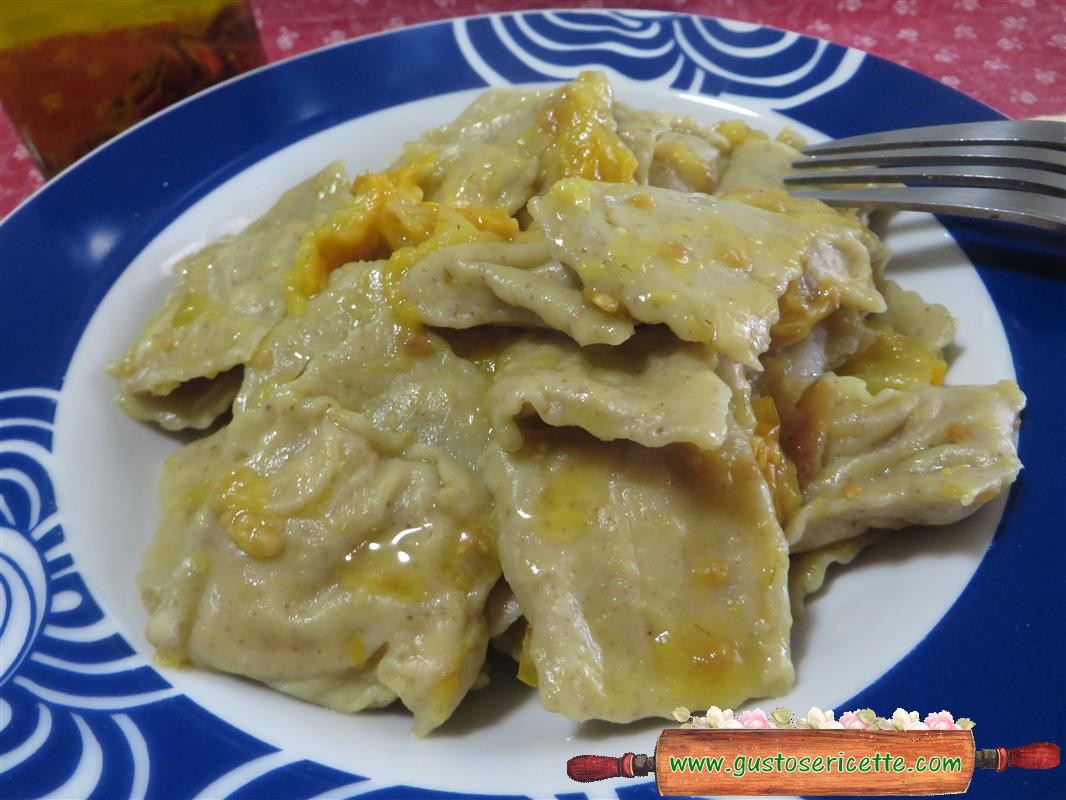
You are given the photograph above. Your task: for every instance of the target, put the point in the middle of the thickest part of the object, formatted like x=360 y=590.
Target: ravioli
x=346 y=360
x=653 y=390
x=930 y=324
x=672 y=152
x=925 y=455
x=507 y=284
x=789 y=370
x=226 y=300
x=349 y=345
x=711 y=269
x=389 y=218
x=650 y=577
x=302 y=547
x=899 y=347
x=194 y=404
x=758 y=163
x=510 y=145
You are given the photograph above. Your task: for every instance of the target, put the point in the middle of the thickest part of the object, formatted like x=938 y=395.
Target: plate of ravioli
x=417 y=413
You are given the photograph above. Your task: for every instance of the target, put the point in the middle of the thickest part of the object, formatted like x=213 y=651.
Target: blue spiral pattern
x=707 y=56
x=67 y=676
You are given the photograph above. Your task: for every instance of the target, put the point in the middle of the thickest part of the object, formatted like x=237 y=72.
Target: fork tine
x=1026 y=133
x=1032 y=209
x=1015 y=178
x=1031 y=157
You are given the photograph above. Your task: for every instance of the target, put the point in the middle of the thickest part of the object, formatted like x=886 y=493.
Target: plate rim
x=189 y=200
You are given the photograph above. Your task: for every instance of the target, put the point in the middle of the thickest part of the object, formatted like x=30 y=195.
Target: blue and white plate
x=968 y=618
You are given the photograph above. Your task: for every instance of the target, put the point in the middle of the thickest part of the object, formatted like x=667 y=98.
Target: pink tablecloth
x=1011 y=54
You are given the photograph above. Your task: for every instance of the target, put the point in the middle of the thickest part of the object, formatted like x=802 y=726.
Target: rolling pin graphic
x=747 y=762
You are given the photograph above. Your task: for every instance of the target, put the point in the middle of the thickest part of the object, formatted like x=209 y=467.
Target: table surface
x=1010 y=54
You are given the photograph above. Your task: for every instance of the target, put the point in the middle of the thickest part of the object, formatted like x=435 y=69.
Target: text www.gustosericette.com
x=843 y=764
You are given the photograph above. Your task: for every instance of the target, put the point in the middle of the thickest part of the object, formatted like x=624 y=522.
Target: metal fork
x=1012 y=170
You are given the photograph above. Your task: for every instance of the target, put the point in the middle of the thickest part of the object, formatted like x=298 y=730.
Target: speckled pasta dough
x=645 y=574
x=571 y=379
x=918 y=456
x=225 y=301
x=653 y=390
x=712 y=269
x=307 y=593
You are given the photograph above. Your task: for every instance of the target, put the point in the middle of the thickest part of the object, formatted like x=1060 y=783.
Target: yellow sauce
x=575 y=490
x=357 y=652
x=474 y=555
x=387 y=212
x=779 y=471
x=696 y=172
x=736 y=131
x=642 y=201
x=450 y=226
x=582 y=141
x=957 y=432
x=388 y=219
x=895 y=361
x=689 y=660
x=191 y=306
x=239 y=503
x=527 y=670
x=803 y=305
x=377 y=569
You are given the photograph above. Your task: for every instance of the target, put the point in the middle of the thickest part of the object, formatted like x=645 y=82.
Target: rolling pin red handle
x=1039 y=755
x=599 y=768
